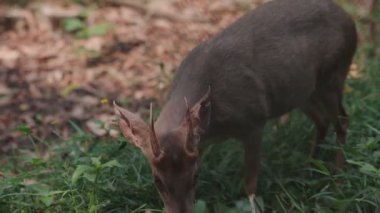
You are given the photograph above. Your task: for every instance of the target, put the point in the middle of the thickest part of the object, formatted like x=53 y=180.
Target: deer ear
x=197 y=120
x=200 y=114
x=134 y=129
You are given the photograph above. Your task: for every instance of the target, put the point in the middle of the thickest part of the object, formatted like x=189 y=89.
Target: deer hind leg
x=328 y=107
x=341 y=125
x=321 y=121
x=333 y=102
x=334 y=110
x=252 y=145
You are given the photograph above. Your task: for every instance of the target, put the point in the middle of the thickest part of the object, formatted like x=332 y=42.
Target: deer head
x=173 y=155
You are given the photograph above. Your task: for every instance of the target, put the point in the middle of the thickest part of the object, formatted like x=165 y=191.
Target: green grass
x=85 y=174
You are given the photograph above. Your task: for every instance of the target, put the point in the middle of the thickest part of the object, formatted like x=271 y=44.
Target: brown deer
x=283 y=55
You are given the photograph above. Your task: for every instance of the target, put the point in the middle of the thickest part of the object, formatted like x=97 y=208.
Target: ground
x=61 y=61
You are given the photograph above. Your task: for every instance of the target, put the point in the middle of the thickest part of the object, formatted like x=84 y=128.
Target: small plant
x=79 y=27
x=91 y=173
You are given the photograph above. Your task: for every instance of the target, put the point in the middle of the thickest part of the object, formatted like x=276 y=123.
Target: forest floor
x=63 y=62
